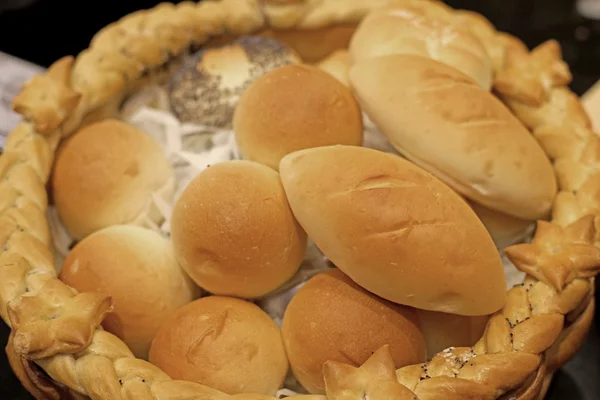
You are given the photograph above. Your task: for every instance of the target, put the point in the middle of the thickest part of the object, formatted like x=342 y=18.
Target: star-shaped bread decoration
x=374 y=380
x=528 y=77
x=56 y=320
x=558 y=255
x=48 y=99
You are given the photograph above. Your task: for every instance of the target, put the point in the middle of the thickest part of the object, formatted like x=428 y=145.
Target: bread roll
x=234 y=233
x=331 y=318
x=315 y=44
x=442 y=330
x=504 y=229
x=292 y=108
x=442 y=121
x=395 y=229
x=227 y=344
x=425 y=29
x=205 y=89
x=137 y=267
x=338 y=66
x=106 y=174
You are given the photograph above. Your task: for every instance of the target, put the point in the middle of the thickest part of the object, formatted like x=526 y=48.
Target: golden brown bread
x=442 y=330
x=98 y=181
x=422 y=29
x=137 y=267
x=338 y=66
x=106 y=369
x=315 y=44
x=234 y=233
x=331 y=318
x=293 y=108
x=395 y=229
x=444 y=122
x=504 y=229
x=225 y=343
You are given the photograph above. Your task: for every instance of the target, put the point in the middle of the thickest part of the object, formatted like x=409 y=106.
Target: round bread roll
x=442 y=330
x=338 y=66
x=442 y=121
x=207 y=86
x=331 y=318
x=106 y=174
x=395 y=229
x=137 y=267
x=292 y=108
x=425 y=29
x=504 y=229
x=234 y=233
x=225 y=343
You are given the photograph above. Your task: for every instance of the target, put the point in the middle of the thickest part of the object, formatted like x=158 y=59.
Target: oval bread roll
x=99 y=181
x=234 y=233
x=137 y=267
x=293 y=108
x=331 y=318
x=395 y=229
x=422 y=28
x=227 y=344
x=442 y=121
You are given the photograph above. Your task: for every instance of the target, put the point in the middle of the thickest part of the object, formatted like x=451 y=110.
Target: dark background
x=45 y=30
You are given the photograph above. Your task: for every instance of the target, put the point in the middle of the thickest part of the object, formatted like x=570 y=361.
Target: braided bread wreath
x=57 y=347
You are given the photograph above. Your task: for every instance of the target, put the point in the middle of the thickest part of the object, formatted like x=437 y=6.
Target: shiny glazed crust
x=58 y=330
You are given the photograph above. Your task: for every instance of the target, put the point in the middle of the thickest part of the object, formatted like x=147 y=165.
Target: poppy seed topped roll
x=207 y=86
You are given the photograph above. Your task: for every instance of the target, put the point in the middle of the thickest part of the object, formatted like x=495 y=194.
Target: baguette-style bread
x=425 y=29
x=234 y=233
x=106 y=174
x=137 y=267
x=293 y=108
x=225 y=343
x=444 y=122
x=331 y=318
x=395 y=229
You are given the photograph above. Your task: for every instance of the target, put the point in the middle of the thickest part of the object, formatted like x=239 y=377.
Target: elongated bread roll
x=395 y=229
x=425 y=29
x=444 y=122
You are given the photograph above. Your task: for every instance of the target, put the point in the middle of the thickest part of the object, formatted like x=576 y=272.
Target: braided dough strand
x=542 y=324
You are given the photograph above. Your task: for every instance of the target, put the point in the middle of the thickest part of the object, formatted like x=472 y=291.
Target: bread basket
x=57 y=348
